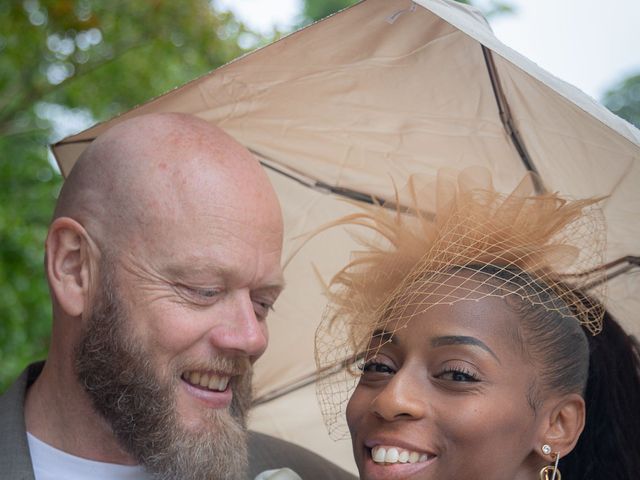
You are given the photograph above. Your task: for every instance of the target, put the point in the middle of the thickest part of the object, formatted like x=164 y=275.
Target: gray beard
x=116 y=372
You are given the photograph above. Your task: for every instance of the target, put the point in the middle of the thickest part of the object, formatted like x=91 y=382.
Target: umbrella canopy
x=377 y=92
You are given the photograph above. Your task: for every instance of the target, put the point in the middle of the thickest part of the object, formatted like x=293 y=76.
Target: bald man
x=163 y=261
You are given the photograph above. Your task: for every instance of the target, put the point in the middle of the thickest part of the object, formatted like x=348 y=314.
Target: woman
x=472 y=340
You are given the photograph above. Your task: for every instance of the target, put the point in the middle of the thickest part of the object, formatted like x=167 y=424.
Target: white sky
x=590 y=43
x=260 y=15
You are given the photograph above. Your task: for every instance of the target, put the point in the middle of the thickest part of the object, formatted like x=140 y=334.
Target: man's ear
x=70 y=264
x=565 y=424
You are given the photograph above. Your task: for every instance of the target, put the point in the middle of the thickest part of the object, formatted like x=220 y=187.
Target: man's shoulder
x=266 y=452
x=15 y=461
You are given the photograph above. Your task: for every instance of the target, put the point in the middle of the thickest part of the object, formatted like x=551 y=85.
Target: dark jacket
x=265 y=452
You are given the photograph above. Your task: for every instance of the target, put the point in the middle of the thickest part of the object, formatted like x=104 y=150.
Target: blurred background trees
x=66 y=64
x=624 y=99
x=313 y=10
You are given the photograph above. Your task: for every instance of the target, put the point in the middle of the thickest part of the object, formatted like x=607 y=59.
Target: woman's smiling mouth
x=393 y=460
x=382 y=454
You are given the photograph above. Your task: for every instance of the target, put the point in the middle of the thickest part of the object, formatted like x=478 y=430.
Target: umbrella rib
x=609 y=271
x=349 y=193
x=324 y=187
x=507 y=120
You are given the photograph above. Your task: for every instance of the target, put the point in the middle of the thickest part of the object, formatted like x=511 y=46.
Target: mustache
x=232 y=366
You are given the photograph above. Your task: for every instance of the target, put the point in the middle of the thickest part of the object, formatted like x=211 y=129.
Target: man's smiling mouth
x=207 y=380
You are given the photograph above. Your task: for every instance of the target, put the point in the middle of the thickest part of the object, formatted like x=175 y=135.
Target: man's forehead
x=209 y=194
x=203 y=205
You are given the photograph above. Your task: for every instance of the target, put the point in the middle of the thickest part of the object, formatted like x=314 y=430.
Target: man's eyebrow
x=181 y=271
x=461 y=340
x=276 y=286
x=274 y=283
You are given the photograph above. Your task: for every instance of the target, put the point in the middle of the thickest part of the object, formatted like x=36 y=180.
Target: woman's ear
x=69 y=263
x=566 y=419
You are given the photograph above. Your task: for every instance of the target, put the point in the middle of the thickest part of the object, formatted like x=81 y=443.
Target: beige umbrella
x=377 y=92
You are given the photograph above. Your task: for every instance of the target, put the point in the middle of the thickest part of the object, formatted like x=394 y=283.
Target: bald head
x=159 y=168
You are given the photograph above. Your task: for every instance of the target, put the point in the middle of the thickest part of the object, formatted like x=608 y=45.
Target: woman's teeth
x=210 y=381
x=381 y=454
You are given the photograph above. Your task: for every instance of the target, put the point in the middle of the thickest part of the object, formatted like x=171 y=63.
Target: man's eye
x=262 y=309
x=205 y=292
x=198 y=295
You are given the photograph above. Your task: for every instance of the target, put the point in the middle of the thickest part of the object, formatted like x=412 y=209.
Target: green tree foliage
x=58 y=58
x=314 y=10
x=106 y=56
x=624 y=99
x=490 y=8
x=28 y=186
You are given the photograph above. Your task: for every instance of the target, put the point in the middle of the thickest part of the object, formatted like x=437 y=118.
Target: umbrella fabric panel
x=622 y=213
x=359 y=100
x=579 y=156
x=297 y=418
x=573 y=152
x=354 y=99
x=469 y=21
x=300 y=306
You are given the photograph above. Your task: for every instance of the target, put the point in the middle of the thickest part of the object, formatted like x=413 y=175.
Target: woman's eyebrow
x=462 y=340
x=382 y=336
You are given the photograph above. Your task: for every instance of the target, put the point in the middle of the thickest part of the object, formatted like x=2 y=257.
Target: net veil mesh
x=454 y=229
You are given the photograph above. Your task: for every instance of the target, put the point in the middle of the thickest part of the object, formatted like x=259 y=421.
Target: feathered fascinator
x=536 y=246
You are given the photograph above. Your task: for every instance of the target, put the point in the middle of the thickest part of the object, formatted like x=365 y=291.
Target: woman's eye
x=376 y=367
x=459 y=375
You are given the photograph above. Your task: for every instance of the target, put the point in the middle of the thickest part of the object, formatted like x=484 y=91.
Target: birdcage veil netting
x=456 y=230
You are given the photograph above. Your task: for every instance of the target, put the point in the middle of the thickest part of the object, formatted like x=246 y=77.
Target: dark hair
x=609 y=447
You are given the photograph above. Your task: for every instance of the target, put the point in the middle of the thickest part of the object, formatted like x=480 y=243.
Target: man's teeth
x=209 y=381
x=381 y=454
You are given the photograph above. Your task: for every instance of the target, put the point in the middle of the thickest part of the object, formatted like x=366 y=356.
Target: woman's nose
x=401 y=399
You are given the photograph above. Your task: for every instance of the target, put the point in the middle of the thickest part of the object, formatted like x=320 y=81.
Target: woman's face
x=448 y=397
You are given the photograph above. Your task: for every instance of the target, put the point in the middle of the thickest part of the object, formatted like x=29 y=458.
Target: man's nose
x=400 y=399
x=239 y=330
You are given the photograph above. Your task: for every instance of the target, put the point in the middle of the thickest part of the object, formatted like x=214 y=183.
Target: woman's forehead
x=438 y=290
x=486 y=317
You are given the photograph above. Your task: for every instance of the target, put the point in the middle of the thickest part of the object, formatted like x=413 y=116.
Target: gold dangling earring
x=550 y=469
